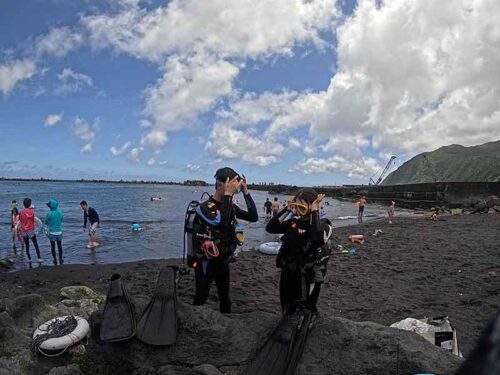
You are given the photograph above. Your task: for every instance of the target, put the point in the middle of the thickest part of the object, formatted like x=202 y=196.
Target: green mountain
x=450 y=164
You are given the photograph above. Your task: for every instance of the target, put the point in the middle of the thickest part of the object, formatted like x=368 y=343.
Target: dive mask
x=299 y=208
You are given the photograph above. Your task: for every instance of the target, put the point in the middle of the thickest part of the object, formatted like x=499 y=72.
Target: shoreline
x=415 y=268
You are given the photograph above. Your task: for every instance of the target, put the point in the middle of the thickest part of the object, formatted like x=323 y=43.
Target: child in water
x=27 y=222
x=92 y=216
x=390 y=211
x=15 y=229
x=54 y=221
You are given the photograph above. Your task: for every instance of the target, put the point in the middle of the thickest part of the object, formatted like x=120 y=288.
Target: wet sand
x=415 y=268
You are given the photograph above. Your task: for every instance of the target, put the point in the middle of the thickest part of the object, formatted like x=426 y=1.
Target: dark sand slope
x=412 y=269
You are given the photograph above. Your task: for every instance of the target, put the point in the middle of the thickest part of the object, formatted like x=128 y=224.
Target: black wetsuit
x=220 y=219
x=302 y=258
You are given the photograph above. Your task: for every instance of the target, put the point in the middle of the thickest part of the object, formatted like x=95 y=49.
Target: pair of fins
x=158 y=323
x=283 y=349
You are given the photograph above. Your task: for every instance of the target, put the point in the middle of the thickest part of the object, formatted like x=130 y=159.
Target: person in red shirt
x=27 y=221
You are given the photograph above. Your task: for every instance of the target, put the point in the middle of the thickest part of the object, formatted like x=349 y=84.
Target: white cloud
x=363 y=167
x=228 y=142
x=411 y=77
x=189 y=87
x=52 y=119
x=121 y=149
x=416 y=75
x=87 y=148
x=193 y=167
x=71 y=81
x=135 y=154
x=59 y=41
x=153 y=161
x=346 y=144
x=86 y=132
x=199 y=45
x=14 y=72
x=238 y=28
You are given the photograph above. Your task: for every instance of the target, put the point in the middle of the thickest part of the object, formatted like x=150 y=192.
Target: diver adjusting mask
x=299 y=208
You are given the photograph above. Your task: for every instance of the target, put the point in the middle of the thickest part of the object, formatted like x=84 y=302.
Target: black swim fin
x=274 y=357
x=305 y=324
x=118 y=320
x=158 y=324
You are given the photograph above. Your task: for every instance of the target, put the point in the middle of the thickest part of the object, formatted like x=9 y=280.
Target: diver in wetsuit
x=304 y=252
x=215 y=238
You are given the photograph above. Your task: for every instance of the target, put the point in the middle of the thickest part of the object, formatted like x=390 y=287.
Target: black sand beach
x=415 y=268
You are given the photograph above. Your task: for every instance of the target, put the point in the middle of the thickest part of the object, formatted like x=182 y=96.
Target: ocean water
x=121 y=205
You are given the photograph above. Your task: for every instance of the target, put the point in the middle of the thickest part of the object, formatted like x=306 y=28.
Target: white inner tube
x=270 y=248
x=64 y=342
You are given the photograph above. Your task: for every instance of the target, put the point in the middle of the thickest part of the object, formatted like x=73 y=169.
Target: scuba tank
x=189 y=255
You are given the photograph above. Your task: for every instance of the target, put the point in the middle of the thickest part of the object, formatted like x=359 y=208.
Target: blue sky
x=282 y=91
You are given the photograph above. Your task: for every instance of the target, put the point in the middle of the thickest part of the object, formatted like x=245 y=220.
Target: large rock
x=26 y=308
x=210 y=343
x=66 y=370
x=342 y=346
x=81 y=292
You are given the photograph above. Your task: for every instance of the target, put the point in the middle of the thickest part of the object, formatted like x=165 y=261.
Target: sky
x=305 y=92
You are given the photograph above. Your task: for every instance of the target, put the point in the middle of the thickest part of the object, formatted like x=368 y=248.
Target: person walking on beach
x=215 y=238
x=92 y=216
x=268 y=208
x=361 y=202
x=53 y=220
x=27 y=222
x=15 y=229
x=275 y=206
x=390 y=211
x=304 y=252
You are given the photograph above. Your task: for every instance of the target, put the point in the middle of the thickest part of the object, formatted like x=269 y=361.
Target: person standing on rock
x=215 y=238
x=304 y=252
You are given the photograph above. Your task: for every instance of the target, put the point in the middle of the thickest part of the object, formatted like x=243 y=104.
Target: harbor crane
x=379 y=179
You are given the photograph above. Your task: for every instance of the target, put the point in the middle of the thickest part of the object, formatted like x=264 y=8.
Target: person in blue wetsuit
x=92 y=216
x=215 y=236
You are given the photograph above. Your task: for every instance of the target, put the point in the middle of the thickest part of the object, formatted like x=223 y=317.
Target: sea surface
x=121 y=205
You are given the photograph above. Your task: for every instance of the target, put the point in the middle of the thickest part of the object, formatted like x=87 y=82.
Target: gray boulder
x=66 y=370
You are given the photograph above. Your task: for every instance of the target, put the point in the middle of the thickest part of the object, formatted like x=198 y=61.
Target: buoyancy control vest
x=299 y=253
x=203 y=236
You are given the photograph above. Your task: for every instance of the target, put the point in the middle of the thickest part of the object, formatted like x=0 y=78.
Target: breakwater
x=425 y=195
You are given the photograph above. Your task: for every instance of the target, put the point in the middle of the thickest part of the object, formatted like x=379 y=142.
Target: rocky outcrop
x=211 y=343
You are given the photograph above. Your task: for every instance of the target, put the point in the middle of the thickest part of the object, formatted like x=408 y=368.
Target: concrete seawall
x=426 y=195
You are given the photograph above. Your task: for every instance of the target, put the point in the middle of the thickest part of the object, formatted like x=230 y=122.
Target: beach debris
x=358 y=238
x=348 y=251
x=437 y=331
x=377 y=232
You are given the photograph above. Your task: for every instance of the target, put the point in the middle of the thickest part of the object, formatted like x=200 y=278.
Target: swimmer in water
x=136 y=227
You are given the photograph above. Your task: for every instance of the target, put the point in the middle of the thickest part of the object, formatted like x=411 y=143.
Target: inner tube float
x=359 y=238
x=56 y=346
x=270 y=248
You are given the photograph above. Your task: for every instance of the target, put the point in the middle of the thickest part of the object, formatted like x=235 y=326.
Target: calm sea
x=119 y=206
